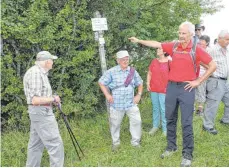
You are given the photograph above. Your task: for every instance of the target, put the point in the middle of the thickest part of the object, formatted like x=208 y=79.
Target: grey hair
x=191 y=27
x=223 y=33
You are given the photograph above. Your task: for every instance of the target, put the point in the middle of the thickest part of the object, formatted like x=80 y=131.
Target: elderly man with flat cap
x=121 y=80
x=44 y=130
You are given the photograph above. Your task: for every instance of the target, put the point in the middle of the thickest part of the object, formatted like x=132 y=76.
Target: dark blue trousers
x=177 y=96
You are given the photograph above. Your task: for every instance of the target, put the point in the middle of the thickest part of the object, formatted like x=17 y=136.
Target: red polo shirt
x=181 y=66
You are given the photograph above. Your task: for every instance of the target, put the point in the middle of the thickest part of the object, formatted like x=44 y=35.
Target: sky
x=216 y=22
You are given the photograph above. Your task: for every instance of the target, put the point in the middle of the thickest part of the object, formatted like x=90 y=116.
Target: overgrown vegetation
x=63 y=27
x=94 y=138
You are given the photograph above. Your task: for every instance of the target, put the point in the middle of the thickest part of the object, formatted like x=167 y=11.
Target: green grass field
x=94 y=138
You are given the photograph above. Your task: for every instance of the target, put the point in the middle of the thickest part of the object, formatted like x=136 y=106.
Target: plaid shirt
x=36 y=83
x=123 y=96
x=220 y=58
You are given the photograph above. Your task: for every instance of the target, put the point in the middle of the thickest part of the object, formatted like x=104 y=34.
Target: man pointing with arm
x=181 y=87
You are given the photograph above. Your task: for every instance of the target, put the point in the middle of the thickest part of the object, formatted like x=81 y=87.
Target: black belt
x=218 y=78
x=177 y=83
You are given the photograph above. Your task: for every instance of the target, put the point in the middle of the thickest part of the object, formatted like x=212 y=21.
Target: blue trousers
x=158 y=101
x=177 y=96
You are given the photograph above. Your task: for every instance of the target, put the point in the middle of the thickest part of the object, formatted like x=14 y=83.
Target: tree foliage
x=63 y=27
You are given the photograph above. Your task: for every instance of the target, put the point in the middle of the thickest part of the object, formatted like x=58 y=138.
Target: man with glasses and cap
x=198 y=31
x=121 y=99
x=44 y=130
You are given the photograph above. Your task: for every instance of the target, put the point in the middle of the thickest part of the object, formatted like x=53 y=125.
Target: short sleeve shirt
x=36 y=83
x=181 y=66
x=159 y=76
x=123 y=96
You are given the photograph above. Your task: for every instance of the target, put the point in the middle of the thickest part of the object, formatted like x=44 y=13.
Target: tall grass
x=94 y=138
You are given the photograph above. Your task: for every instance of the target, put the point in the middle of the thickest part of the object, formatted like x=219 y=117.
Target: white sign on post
x=99 y=24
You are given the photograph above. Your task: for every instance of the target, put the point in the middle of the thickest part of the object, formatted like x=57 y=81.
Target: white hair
x=191 y=27
x=223 y=33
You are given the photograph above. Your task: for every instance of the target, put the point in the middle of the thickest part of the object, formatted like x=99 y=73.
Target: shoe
x=221 y=121
x=185 y=162
x=210 y=130
x=164 y=133
x=167 y=153
x=153 y=131
x=115 y=148
x=197 y=112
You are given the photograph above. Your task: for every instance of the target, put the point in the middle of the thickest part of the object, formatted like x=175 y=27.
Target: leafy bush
x=63 y=27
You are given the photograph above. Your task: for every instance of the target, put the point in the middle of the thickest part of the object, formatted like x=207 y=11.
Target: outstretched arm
x=148 y=43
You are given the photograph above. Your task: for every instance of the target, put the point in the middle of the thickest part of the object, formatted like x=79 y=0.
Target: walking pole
x=72 y=136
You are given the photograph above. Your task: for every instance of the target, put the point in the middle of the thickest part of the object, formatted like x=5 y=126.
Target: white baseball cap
x=122 y=54
x=45 y=55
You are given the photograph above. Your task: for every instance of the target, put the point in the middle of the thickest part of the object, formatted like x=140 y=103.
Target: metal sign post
x=98 y=26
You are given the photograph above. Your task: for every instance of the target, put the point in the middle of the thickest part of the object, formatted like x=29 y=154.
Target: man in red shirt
x=181 y=87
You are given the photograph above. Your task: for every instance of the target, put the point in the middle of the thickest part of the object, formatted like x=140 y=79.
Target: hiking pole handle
x=62 y=113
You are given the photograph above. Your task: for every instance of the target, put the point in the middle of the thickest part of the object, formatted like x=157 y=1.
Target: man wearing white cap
x=121 y=80
x=44 y=130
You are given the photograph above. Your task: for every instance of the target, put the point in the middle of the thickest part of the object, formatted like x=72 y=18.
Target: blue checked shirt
x=123 y=96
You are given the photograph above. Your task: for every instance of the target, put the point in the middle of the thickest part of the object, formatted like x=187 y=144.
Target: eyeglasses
x=124 y=60
x=197 y=29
